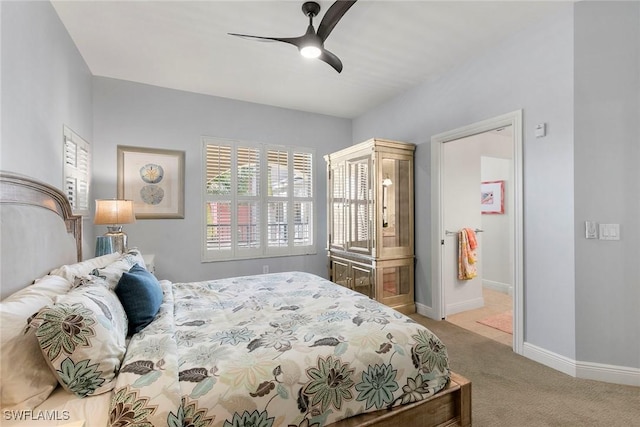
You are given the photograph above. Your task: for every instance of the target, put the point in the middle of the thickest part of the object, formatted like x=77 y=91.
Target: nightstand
x=149 y=260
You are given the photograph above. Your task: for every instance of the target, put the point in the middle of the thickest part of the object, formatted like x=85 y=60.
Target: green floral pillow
x=82 y=337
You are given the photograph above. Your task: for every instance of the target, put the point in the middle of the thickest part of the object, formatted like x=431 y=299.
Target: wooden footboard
x=449 y=407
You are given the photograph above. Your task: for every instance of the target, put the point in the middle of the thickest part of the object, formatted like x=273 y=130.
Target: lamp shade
x=114 y=212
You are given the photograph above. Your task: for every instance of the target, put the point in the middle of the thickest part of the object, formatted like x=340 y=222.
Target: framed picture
x=492 y=197
x=153 y=179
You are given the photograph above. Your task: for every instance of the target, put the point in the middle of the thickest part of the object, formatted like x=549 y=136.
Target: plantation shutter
x=278 y=203
x=218 y=198
x=258 y=200
x=302 y=198
x=77 y=161
x=248 y=198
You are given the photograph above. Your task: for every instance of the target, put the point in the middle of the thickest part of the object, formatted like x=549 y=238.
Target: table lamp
x=113 y=213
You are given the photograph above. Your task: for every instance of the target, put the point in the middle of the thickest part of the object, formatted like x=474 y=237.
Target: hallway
x=494 y=303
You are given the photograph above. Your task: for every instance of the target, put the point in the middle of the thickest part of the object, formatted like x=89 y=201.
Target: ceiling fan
x=311 y=44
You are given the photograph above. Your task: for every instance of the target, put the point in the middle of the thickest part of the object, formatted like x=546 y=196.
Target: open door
x=448 y=295
x=460 y=209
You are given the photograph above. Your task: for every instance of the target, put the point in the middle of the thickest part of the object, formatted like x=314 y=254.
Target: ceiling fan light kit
x=310 y=51
x=311 y=44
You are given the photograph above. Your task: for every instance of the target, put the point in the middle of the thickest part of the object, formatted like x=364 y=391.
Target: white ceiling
x=386 y=46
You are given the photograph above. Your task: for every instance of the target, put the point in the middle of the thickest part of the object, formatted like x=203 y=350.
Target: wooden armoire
x=370 y=228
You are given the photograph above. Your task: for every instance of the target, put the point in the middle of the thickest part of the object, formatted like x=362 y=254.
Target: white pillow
x=113 y=271
x=71 y=271
x=26 y=378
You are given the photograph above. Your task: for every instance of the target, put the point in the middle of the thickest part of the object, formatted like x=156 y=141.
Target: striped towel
x=467 y=244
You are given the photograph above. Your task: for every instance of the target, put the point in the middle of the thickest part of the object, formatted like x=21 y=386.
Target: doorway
x=491 y=152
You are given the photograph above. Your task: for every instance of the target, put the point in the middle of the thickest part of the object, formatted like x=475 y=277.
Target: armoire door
x=360 y=205
x=338 y=206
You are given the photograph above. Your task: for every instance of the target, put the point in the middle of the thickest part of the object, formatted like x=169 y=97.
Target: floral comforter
x=286 y=349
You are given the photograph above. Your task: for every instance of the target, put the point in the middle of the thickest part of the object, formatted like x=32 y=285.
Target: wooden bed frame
x=449 y=407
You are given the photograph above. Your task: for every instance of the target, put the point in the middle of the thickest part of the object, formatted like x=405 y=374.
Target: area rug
x=501 y=321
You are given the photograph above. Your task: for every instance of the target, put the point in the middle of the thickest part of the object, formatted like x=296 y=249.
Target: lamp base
x=118 y=238
x=104 y=245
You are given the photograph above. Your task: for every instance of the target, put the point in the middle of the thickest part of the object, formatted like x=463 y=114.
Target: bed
x=283 y=349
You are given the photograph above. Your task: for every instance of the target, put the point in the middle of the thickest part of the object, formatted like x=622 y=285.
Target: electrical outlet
x=265 y=269
x=591 y=229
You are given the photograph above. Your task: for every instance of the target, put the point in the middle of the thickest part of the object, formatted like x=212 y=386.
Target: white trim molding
x=432 y=313
x=549 y=358
x=463 y=306
x=583 y=370
x=505 y=288
x=427 y=311
x=608 y=373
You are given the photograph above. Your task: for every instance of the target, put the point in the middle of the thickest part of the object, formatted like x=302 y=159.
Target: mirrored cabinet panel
x=359 y=205
x=371 y=216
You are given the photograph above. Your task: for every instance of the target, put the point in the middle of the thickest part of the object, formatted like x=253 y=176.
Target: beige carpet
x=501 y=321
x=512 y=391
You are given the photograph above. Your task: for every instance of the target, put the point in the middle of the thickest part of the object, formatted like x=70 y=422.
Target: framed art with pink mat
x=492 y=197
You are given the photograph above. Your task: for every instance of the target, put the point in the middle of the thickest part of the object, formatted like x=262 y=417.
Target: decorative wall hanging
x=492 y=197
x=153 y=179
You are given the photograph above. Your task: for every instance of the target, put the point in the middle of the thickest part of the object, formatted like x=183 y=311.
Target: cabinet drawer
x=340 y=272
x=362 y=280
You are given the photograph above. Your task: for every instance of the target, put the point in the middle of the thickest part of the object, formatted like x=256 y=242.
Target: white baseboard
x=431 y=313
x=426 y=311
x=505 y=288
x=609 y=373
x=585 y=370
x=459 y=307
x=550 y=359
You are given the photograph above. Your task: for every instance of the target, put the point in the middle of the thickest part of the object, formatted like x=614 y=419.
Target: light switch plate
x=591 y=230
x=609 y=231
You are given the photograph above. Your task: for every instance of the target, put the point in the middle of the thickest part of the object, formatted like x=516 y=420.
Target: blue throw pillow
x=141 y=295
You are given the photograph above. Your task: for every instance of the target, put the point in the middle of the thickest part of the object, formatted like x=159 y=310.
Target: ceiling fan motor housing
x=311 y=8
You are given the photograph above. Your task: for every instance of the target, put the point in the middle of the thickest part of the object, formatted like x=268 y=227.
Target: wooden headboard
x=38 y=231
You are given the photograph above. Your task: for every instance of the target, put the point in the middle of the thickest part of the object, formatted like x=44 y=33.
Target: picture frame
x=492 y=197
x=154 y=179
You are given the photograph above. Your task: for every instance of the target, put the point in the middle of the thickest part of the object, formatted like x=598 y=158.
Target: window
x=76 y=171
x=258 y=200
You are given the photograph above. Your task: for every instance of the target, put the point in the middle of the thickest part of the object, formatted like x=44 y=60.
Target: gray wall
x=607 y=180
x=140 y=115
x=532 y=71
x=45 y=84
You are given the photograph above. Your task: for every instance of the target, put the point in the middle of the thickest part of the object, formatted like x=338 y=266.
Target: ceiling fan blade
x=332 y=16
x=331 y=59
x=291 y=40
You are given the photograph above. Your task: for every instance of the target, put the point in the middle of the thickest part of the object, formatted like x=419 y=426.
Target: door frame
x=513 y=119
